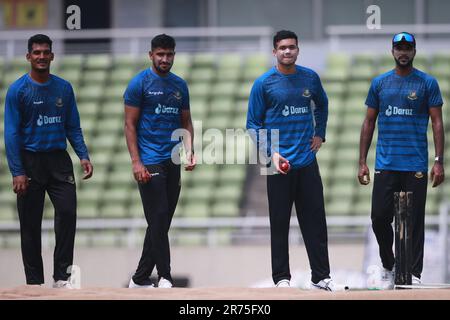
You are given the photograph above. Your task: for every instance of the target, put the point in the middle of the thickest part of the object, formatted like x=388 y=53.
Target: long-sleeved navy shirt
x=284 y=102
x=39 y=118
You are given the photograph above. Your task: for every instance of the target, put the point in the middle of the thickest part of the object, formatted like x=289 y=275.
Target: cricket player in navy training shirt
x=403 y=100
x=40 y=115
x=156 y=104
x=282 y=99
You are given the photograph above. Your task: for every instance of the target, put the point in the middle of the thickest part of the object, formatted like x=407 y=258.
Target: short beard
x=161 y=70
x=404 y=66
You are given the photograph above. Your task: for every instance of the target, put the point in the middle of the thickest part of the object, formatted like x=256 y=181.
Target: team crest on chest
x=59 y=102
x=177 y=95
x=412 y=95
x=306 y=93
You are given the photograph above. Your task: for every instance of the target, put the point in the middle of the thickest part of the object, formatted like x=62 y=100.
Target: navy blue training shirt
x=403 y=104
x=285 y=102
x=39 y=118
x=161 y=100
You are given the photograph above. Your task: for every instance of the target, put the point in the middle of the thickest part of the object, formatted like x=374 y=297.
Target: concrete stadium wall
x=307 y=17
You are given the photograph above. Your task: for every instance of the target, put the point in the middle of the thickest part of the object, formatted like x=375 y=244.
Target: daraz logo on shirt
x=398 y=111
x=47 y=120
x=294 y=110
x=165 y=109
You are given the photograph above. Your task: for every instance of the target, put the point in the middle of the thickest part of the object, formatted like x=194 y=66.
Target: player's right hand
x=140 y=172
x=20 y=184
x=88 y=169
x=363 y=174
x=437 y=174
x=191 y=161
x=277 y=159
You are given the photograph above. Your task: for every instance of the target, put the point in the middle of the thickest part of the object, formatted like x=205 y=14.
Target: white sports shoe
x=415 y=280
x=62 y=284
x=134 y=285
x=285 y=283
x=387 y=279
x=328 y=285
x=164 y=283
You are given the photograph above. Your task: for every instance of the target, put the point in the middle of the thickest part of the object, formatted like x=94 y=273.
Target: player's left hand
x=437 y=175
x=88 y=169
x=316 y=143
x=190 y=156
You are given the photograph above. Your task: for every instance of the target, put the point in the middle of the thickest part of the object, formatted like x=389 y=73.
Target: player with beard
x=156 y=104
x=403 y=100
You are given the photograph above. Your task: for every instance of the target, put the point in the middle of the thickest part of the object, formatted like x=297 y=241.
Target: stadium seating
x=346 y=80
x=219 y=86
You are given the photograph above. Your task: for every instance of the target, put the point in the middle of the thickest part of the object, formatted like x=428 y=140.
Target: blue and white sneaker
x=164 y=283
x=328 y=285
x=387 y=279
x=415 y=280
x=284 y=283
x=134 y=285
x=62 y=284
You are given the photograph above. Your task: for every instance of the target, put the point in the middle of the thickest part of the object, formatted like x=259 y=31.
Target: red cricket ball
x=284 y=166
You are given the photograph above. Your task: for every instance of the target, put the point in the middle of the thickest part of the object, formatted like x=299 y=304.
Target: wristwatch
x=439 y=159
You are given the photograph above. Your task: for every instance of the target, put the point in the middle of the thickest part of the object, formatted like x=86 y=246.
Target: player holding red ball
x=281 y=99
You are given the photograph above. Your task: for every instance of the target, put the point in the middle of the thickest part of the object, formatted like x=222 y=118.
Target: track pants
x=385 y=184
x=159 y=199
x=50 y=172
x=304 y=188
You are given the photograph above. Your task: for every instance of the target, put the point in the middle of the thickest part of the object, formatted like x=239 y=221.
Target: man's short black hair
x=163 y=41
x=283 y=34
x=39 y=38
